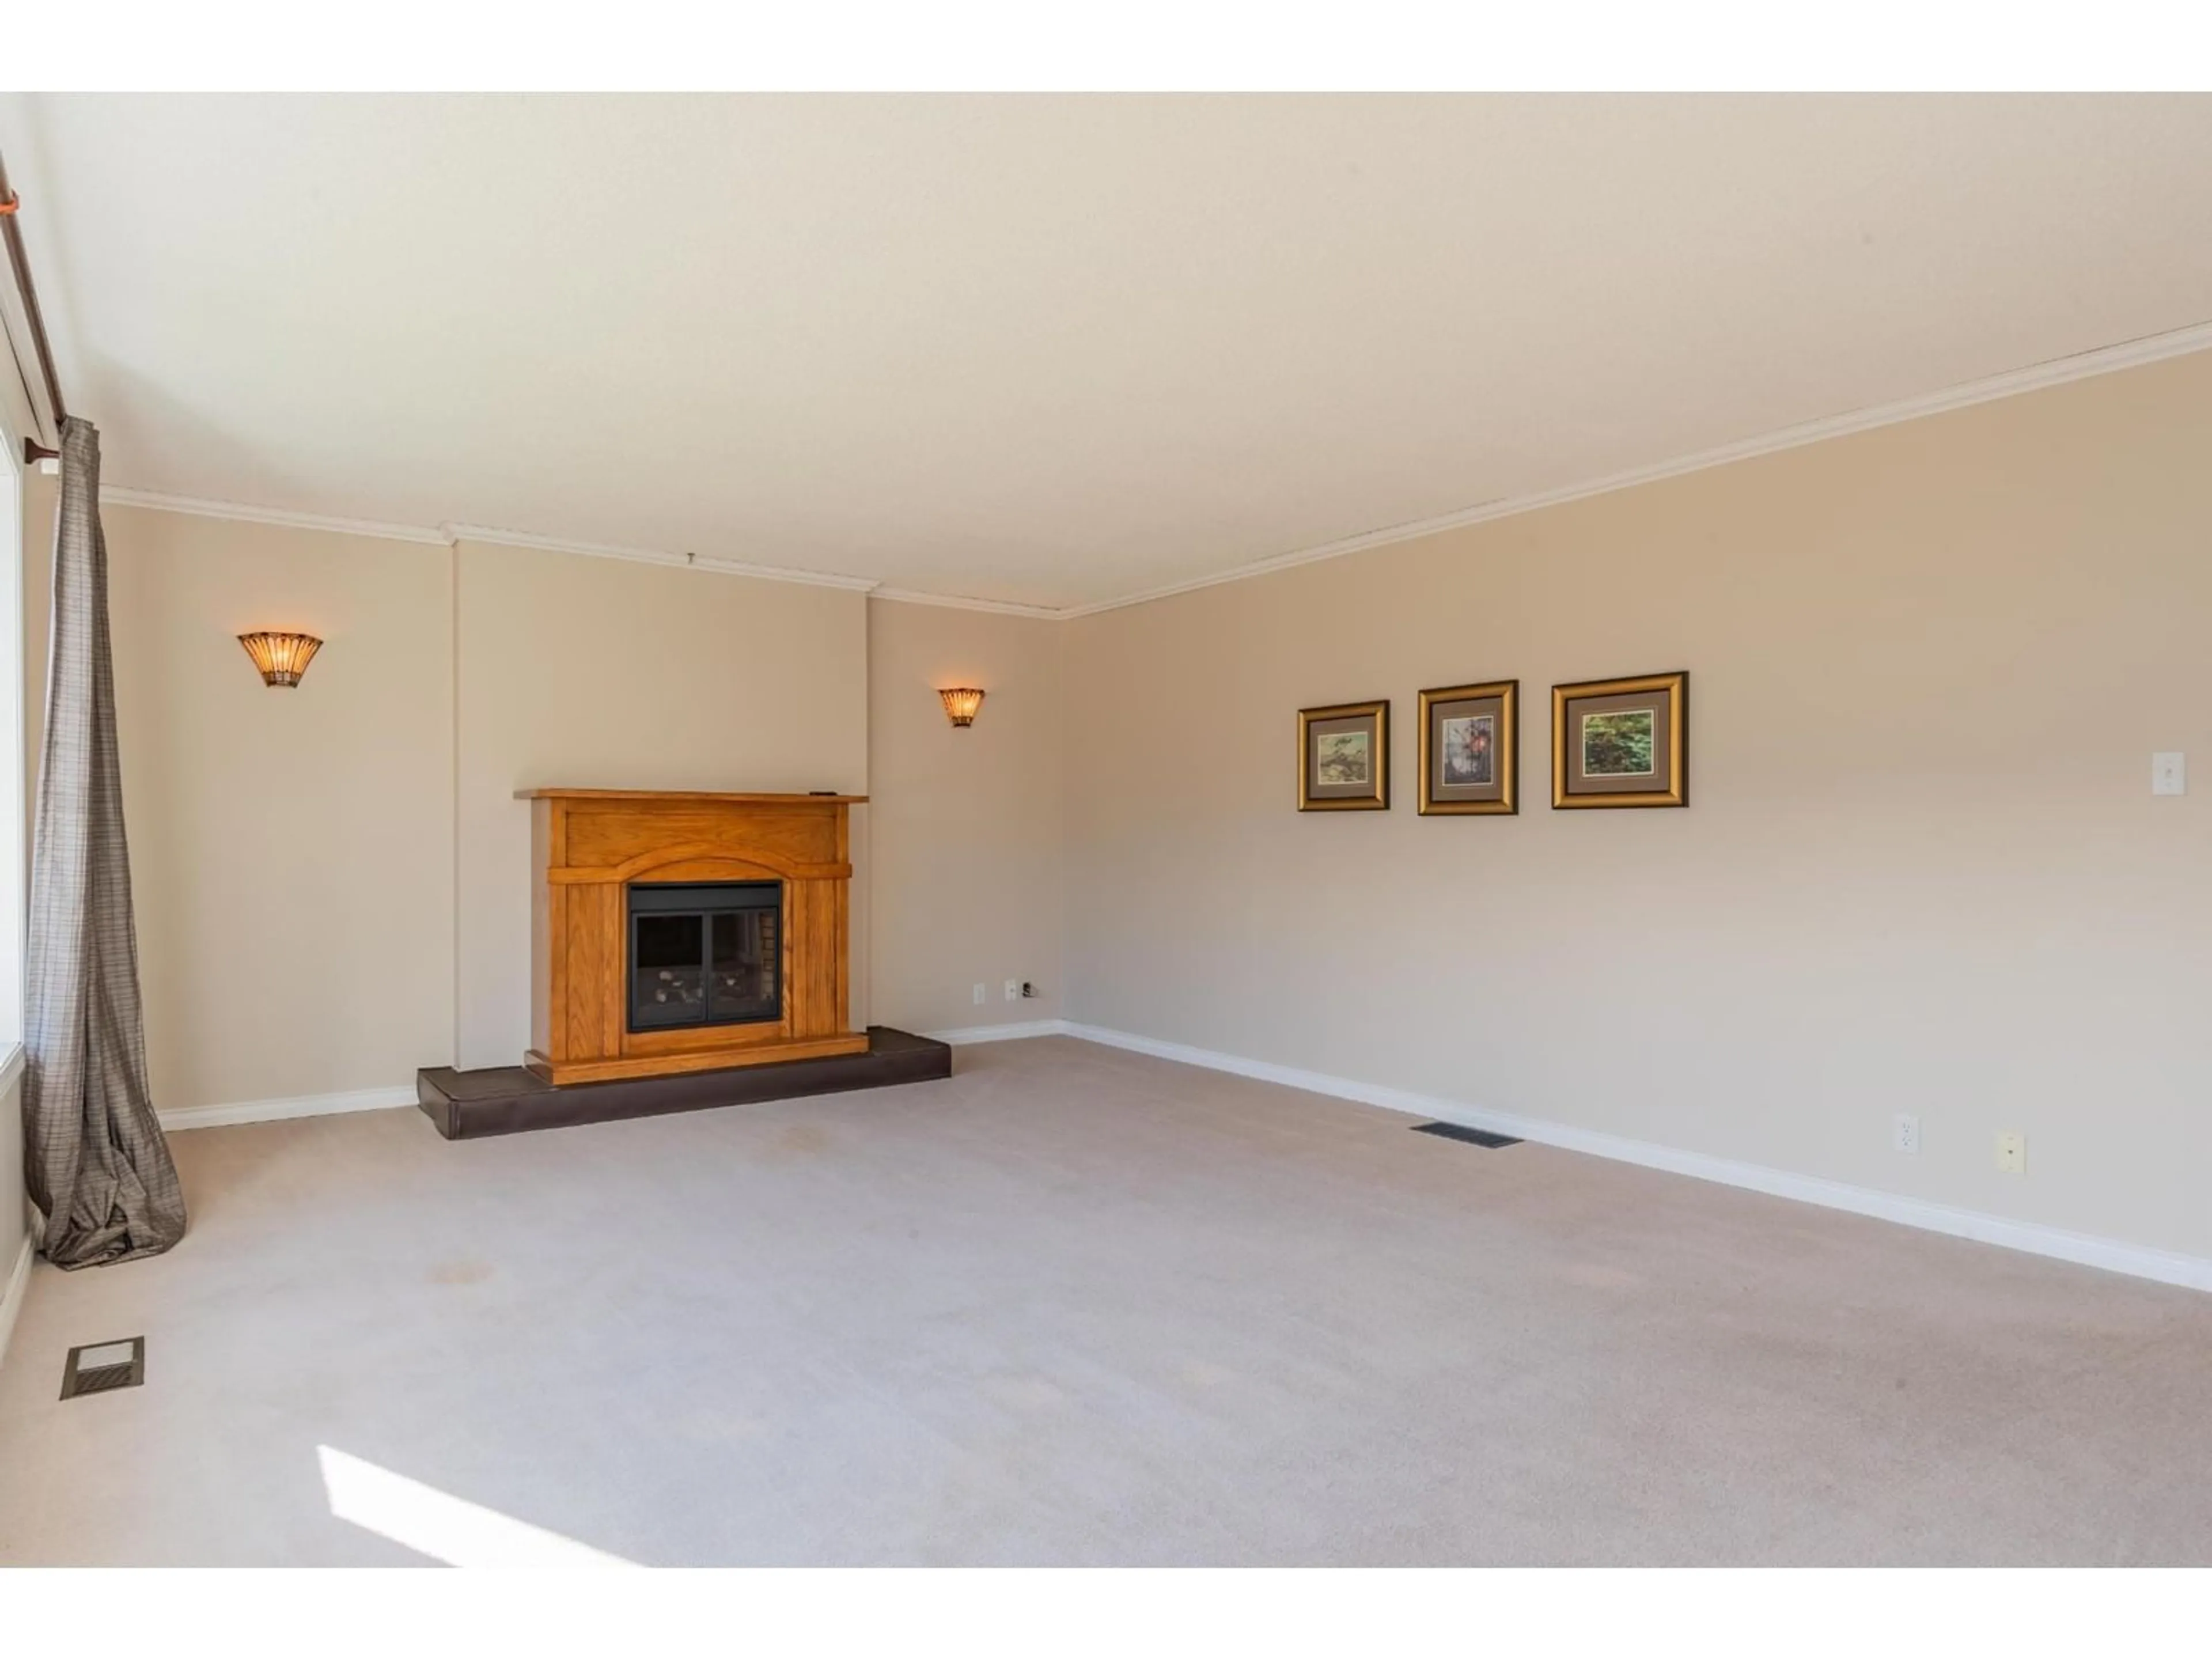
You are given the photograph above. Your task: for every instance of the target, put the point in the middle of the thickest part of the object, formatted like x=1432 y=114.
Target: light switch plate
x=2169 y=773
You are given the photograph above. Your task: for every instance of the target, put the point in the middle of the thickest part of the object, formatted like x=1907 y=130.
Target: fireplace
x=673 y=932
x=705 y=953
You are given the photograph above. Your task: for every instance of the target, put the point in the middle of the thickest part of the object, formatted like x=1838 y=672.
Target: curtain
x=96 y=1164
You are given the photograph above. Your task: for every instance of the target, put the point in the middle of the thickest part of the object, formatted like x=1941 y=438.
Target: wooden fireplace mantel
x=588 y=845
x=675 y=794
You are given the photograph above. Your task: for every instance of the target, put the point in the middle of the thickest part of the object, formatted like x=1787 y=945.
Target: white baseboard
x=265 y=1111
x=1027 y=1028
x=18 y=1285
x=2140 y=1262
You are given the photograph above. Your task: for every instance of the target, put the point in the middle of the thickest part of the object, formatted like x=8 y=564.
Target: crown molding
x=2081 y=366
x=477 y=532
x=112 y=496
x=959 y=602
x=2104 y=360
x=448 y=535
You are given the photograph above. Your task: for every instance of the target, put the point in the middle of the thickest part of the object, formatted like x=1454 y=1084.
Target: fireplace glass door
x=705 y=953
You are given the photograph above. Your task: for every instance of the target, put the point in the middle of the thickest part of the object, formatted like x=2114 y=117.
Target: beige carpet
x=1078 y=1305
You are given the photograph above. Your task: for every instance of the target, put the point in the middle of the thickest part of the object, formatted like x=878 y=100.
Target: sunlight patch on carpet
x=441 y=1526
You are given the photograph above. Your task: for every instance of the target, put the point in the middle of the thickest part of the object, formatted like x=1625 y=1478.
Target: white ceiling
x=1054 y=350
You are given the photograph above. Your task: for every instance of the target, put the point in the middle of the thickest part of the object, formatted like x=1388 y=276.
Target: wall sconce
x=961 y=702
x=282 y=658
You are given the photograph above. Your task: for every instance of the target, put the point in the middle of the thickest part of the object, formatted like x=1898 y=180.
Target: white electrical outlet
x=1013 y=990
x=2169 y=773
x=2012 y=1152
x=982 y=989
x=1904 y=1132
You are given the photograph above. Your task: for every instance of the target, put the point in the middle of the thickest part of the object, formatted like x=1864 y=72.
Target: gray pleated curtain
x=94 y=1159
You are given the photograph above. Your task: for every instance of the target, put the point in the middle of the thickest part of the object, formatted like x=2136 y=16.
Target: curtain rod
x=9 y=206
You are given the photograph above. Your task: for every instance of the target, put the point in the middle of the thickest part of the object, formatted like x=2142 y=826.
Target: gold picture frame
x=1344 y=757
x=1490 y=715
x=1641 y=755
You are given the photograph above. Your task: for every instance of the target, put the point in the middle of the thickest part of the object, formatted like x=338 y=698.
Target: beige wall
x=296 y=856
x=291 y=856
x=1922 y=869
x=965 y=829
x=607 y=673
x=291 y=852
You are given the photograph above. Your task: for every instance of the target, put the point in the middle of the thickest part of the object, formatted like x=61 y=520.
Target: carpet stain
x=461 y=1272
x=1028 y=1394
x=803 y=1139
x=1205 y=1374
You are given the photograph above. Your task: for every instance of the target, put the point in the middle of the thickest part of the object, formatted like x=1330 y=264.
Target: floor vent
x=1459 y=1132
x=98 y=1367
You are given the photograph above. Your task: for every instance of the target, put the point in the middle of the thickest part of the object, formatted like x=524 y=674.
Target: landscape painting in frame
x=1344 y=757
x=1622 y=742
x=1469 y=736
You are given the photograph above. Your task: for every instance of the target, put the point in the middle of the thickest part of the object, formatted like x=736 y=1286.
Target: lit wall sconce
x=961 y=702
x=282 y=658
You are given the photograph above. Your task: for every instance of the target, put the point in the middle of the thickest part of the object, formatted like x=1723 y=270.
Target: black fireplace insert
x=705 y=953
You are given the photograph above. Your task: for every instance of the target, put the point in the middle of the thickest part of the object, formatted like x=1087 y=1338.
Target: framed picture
x=1344 y=757
x=1469 y=762
x=1622 y=743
